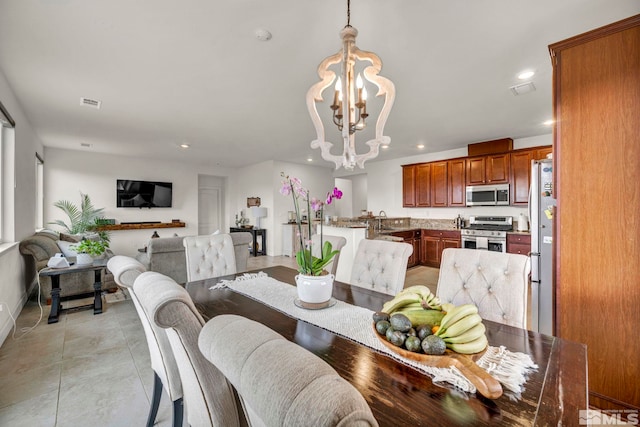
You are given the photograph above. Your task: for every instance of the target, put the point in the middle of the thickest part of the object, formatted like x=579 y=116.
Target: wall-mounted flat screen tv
x=143 y=194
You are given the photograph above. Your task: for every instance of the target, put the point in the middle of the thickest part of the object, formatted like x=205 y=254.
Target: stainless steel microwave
x=488 y=195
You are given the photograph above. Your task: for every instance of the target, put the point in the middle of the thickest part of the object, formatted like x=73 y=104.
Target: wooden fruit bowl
x=485 y=384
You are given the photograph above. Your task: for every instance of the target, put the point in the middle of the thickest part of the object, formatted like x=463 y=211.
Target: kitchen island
x=354 y=234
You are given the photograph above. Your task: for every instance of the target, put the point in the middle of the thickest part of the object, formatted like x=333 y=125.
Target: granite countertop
x=527 y=233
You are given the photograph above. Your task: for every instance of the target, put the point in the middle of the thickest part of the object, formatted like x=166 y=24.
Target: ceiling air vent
x=88 y=102
x=523 y=88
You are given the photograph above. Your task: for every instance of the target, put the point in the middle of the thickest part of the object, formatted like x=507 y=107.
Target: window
x=39 y=192
x=6 y=126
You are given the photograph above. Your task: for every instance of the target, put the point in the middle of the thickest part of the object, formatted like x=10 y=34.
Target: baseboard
x=600 y=401
x=7 y=327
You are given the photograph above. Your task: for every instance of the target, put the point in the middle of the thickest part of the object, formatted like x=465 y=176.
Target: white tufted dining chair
x=299 y=389
x=381 y=265
x=165 y=371
x=495 y=282
x=337 y=243
x=208 y=398
x=209 y=256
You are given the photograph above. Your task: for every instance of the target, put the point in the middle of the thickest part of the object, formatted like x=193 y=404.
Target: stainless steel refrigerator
x=541 y=210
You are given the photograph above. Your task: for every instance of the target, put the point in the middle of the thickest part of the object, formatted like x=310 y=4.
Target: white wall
x=345 y=207
x=359 y=188
x=67 y=173
x=19 y=221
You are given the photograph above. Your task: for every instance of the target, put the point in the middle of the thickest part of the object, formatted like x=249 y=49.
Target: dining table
x=397 y=393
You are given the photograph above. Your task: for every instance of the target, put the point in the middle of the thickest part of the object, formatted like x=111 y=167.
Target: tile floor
x=93 y=370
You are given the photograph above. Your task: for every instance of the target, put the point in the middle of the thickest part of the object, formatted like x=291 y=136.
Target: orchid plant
x=307 y=263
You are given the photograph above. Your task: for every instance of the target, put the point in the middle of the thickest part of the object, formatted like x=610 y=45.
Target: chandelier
x=349 y=107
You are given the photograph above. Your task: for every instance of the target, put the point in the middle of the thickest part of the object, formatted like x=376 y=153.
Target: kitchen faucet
x=380 y=215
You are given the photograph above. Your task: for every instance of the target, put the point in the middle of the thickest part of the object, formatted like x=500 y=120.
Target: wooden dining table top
x=400 y=395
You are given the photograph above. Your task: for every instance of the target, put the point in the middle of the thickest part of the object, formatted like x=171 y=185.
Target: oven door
x=494 y=245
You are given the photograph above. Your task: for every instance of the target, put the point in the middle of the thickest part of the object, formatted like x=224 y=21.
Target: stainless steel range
x=487 y=232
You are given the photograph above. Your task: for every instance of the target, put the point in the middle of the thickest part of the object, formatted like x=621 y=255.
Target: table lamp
x=258 y=213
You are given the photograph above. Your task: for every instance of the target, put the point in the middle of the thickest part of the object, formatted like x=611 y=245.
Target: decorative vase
x=314 y=289
x=84 y=259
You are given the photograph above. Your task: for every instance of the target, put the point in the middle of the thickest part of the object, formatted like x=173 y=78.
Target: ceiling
x=169 y=72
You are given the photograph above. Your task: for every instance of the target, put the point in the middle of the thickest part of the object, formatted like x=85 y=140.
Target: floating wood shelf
x=141 y=226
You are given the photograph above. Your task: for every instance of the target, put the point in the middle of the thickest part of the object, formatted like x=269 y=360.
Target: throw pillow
x=65 y=248
x=70 y=238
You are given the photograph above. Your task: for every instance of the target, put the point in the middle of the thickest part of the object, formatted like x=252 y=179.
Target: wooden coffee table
x=56 y=304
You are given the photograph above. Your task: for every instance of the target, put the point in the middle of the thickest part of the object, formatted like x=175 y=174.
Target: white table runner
x=355 y=323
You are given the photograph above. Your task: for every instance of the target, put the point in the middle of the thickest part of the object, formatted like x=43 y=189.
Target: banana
x=400 y=301
x=457 y=313
x=447 y=307
x=459 y=327
x=411 y=306
x=470 y=335
x=430 y=301
x=475 y=346
x=418 y=289
x=421 y=316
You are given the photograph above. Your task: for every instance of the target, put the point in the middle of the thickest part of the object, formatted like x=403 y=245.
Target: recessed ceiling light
x=547 y=122
x=184 y=145
x=309 y=159
x=263 y=34
x=526 y=75
x=420 y=146
x=384 y=147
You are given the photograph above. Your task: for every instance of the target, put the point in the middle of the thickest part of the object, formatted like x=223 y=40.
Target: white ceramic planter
x=314 y=289
x=84 y=259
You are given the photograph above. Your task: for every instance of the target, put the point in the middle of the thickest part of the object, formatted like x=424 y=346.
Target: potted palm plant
x=83 y=219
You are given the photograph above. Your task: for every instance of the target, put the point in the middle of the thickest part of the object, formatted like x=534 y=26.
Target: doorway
x=210 y=203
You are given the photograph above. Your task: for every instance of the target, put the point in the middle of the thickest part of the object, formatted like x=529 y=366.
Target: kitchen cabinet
x=423 y=185
x=409 y=186
x=518 y=243
x=413 y=238
x=456 y=182
x=520 y=178
x=290 y=239
x=433 y=242
x=490 y=169
x=439 y=187
x=596 y=146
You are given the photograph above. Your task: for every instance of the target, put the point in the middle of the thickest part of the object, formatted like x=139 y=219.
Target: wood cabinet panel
x=519 y=244
x=409 y=186
x=542 y=152
x=456 y=182
x=423 y=185
x=497 y=168
x=434 y=242
x=520 y=176
x=439 y=188
x=413 y=238
x=475 y=171
x=596 y=150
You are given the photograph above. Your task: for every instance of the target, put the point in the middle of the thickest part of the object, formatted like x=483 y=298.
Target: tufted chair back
x=209 y=256
x=125 y=272
x=298 y=388
x=209 y=399
x=381 y=265
x=495 y=282
x=337 y=243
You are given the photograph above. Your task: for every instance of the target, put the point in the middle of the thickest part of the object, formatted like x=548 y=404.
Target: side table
x=55 y=273
x=255 y=232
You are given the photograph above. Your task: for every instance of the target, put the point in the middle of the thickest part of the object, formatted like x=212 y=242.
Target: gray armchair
x=167 y=255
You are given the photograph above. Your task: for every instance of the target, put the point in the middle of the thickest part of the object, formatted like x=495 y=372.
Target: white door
x=210 y=204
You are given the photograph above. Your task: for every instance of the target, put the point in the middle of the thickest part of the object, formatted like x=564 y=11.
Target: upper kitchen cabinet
x=416 y=185
x=521 y=172
x=491 y=169
x=439 y=179
x=596 y=147
x=409 y=186
x=456 y=174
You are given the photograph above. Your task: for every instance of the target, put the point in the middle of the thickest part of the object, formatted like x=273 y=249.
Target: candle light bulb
x=339 y=86
x=359 y=83
x=364 y=93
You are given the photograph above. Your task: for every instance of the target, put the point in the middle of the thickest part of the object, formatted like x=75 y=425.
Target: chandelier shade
x=349 y=107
